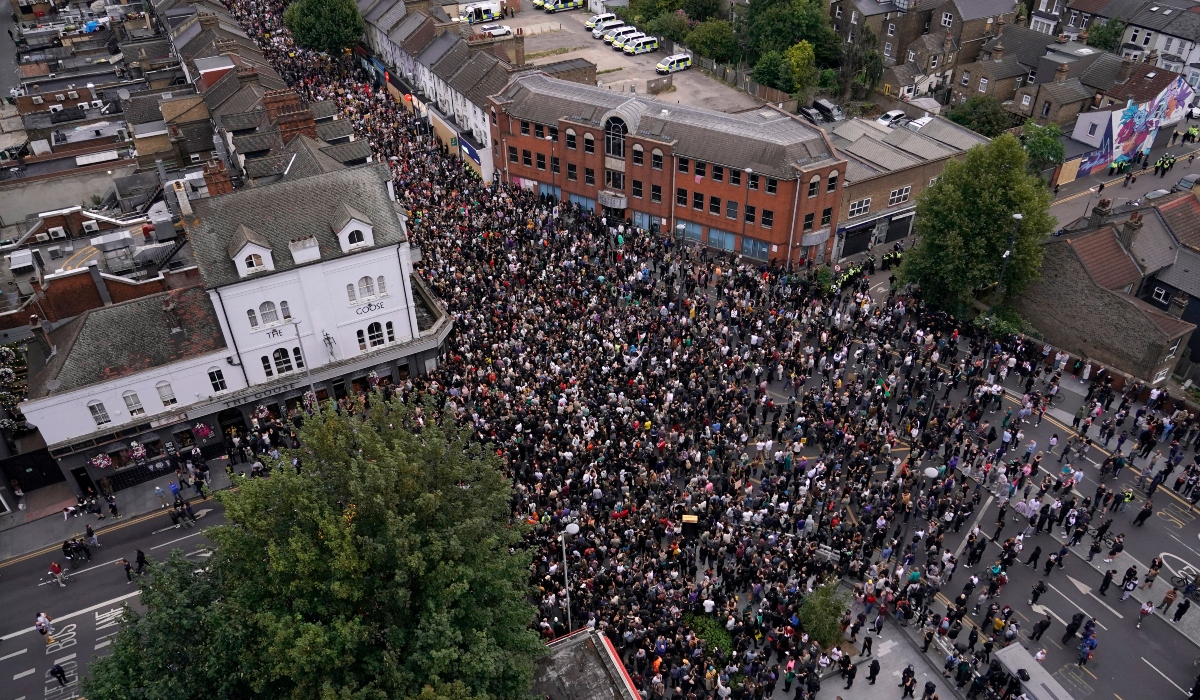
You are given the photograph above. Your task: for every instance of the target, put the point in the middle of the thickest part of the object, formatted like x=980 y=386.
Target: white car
x=891 y=118
x=495 y=30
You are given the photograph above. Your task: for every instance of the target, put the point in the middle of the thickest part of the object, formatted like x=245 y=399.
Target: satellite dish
x=572 y=529
x=123 y=94
x=931 y=472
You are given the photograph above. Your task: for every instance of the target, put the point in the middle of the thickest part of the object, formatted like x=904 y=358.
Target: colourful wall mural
x=1131 y=131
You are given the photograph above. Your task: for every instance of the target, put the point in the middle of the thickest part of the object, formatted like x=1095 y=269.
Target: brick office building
x=759 y=183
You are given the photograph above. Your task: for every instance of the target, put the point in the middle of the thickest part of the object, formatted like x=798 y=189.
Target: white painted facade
x=68 y=416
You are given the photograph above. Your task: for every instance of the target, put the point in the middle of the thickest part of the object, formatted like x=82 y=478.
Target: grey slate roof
x=336 y=129
x=290 y=209
x=873 y=149
x=470 y=73
x=380 y=9
x=954 y=135
x=142 y=108
x=390 y=18
x=349 y=151
x=1022 y=43
x=1185 y=273
x=268 y=165
x=95 y=347
x=1123 y=9
x=1159 y=14
x=260 y=141
x=437 y=48
x=1007 y=67
x=1070 y=90
x=770 y=142
x=323 y=109
x=244 y=120
x=242 y=237
x=492 y=82
x=448 y=65
x=1103 y=72
x=310 y=159
x=1153 y=247
x=1186 y=26
x=976 y=9
x=869 y=8
x=405 y=29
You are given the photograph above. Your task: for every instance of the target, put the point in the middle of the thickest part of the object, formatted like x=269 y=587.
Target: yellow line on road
x=70 y=264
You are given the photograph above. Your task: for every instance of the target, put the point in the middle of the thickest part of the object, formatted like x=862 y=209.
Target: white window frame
x=1174 y=348
x=899 y=195
x=1026 y=99
x=853 y=16
x=887 y=49
x=1160 y=295
x=133 y=403
x=216 y=378
x=947 y=19
x=983 y=83
x=99 y=413
x=862 y=206
x=891 y=29
x=166 y=394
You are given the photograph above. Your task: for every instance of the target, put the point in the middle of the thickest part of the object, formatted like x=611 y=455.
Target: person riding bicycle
x=996 y=570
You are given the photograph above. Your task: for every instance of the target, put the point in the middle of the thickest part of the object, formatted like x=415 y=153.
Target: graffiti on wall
x=1132 y=130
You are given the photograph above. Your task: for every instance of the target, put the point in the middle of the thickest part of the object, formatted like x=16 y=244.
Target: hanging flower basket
x=101 y=461
x=310 y=401
x=262 y=413
x=7 y=355
x=202 y=431
x=137 y=450
x=373 y=378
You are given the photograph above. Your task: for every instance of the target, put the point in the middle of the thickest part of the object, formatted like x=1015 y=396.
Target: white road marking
x=1167 y=677
x=77 y=613
x=1084 y=588
x=1044 y=610
x=68 y=657
x=15 y=653
x=81 y=571
x=22 y=674
x=164 y=544
x=1068 y=598
x=103 y=644
x=1185 y=545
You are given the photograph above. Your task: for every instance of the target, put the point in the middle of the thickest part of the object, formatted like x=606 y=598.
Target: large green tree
x=964 y=222
x=386 y=568
x=861 y=63
x=772 y=71
x=1043 y=145
x=1106 y=36
x=801 y=62
x=982 y=114
x=714 y=39
x=777 y=25
x=324 y=25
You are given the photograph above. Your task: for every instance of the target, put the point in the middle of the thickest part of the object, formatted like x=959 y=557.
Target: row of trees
x=790 y=43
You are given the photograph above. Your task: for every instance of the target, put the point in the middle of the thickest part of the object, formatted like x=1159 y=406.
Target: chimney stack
x=1060 y=73
x=43 y=340
x=1129 y=230
x=1099 y=213
x=1179 y=304
x=1124 y=71
x=1061 y=39
x=217 y=178
x=998 y=51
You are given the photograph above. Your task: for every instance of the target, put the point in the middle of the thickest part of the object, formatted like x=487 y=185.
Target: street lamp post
x=300 y=345
x=1012 y=237
x=571 y=529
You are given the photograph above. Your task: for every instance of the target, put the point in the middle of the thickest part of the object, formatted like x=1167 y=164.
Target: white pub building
x=306 y=282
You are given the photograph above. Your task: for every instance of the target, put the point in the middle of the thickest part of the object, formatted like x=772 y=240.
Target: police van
x=597 y=19
x=619 y=32
x=602 y=27
x=553 y=6
x=647 y=44
x=673 y=64
x=480 y=12
x=620 y=42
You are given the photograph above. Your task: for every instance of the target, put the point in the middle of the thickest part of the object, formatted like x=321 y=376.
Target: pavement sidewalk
x=132 y=502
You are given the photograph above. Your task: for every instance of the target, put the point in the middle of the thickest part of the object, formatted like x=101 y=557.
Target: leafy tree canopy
x=982 y=114
x=772 y=71
x=861 y=63
x=821 y=613
x=777 y=25
x=801 y=62
x=701 y=10
x=673 y=26
x=1106 y=36
x=386 y=568
x=965 y=219
x=714 y=39
x=324 y=25
x=1043 y=145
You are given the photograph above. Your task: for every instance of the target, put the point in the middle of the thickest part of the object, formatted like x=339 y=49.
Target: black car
x=811 y=115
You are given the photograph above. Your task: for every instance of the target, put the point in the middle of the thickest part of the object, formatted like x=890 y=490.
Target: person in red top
x=57 y=571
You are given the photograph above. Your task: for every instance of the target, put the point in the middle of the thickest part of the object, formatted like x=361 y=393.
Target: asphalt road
x=87 y=612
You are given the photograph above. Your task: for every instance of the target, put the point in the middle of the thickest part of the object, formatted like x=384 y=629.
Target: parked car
x=553 y=6
x=602 y=27
x=597 y=19
x=495 y=30
x=1186 y=182
x=811 y=115
x=828 y=110
x=892 y=117
x=1155 y=194
x=673 y=64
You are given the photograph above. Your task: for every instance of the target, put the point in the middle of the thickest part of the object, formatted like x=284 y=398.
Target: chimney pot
x=1061 y=39
x=1060 y=73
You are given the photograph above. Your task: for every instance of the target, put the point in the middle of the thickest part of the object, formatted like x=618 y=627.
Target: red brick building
x=759 y=183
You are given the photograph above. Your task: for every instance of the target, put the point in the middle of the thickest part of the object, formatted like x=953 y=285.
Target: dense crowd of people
x=816 y=432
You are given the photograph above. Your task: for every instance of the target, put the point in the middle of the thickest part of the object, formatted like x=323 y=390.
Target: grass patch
x=609 y=70
x=712 y=632
x=542 y=54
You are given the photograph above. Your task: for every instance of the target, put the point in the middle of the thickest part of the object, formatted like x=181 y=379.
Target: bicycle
x=1109 y=539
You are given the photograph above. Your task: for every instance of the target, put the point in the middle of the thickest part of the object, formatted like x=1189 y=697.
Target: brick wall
x=1076 y=315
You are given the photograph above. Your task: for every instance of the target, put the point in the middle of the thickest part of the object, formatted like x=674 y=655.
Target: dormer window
x=254 y=261
x=355 y=237
x=250 y=252
x=353 y=228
